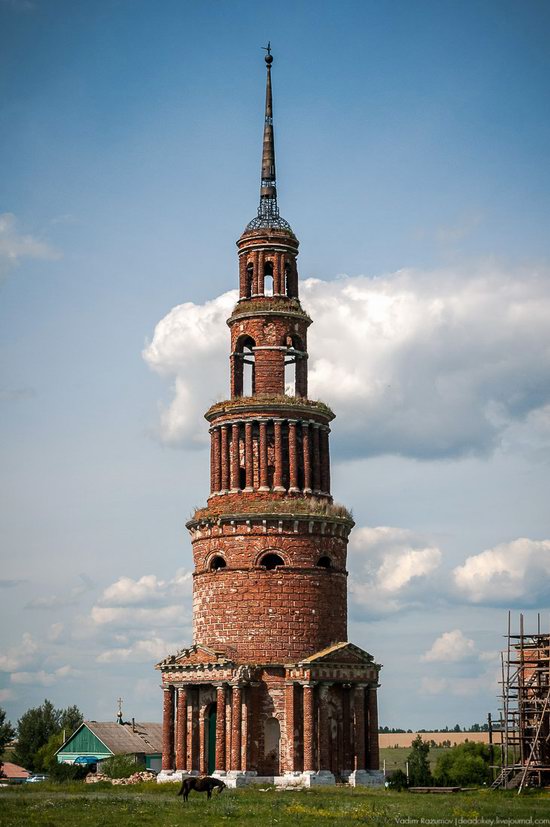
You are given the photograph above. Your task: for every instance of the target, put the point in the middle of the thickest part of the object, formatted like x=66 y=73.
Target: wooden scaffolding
x=525 y=710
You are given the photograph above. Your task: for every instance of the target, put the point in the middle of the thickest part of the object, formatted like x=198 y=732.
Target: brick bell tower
x=270 y=686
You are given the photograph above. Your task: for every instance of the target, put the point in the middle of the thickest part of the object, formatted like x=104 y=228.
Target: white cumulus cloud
x=19 y=656
x=131 y=618
x=452 y=647
x=147 y=590
x=189 y=343
x=42 y=678
x=141 y=651
x=391 y=569
x=438 y=364
x=510 y=573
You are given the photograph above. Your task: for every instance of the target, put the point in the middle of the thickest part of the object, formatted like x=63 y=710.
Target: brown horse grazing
x=200 y=785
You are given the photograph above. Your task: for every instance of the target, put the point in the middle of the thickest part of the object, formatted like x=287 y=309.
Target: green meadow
x=46 y=805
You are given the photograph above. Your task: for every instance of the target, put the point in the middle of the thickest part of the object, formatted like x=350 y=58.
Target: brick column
x=307 y=457
x=254 y=734
x=242 y=276
x=181 y=729
x=236 y=724
x=324 y=728
x=264 y=480
x=168 y=728
x=316 y=459
x=216 y=469
x=359 y=728
x=278 y=479
x=203 y=762
x=277 y=274
x=212 y=463
x=309 y=728
x=248 y=456
x=193 y=745
x=290 y=726
x=293 y=457
x=244 y=729
x=224 y=458
x=374 y=750
x=261 y=272
x=347 y=737
x=220 y=726
x=235 y=460
x=325 y=461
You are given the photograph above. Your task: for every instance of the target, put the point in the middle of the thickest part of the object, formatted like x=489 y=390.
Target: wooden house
x=100 y=740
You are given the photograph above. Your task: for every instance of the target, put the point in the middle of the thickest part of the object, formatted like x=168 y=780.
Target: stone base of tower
x=304 y=724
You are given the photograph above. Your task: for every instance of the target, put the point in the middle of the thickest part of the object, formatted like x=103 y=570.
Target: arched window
x=293 y=359
x=290 y=378
x=271 y=561
x=324 y=562
x=244 y=380
x=268 y=279
x=217 y=562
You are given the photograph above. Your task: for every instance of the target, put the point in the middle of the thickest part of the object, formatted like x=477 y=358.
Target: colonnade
x=270 y=454
x=252 y=273
x=307 y=735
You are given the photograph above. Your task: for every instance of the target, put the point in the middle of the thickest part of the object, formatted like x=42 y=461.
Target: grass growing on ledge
x=265 y=400
x=299 y=506
x=261 y=305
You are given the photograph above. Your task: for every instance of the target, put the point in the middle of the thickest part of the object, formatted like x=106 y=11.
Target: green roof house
x=99 y=740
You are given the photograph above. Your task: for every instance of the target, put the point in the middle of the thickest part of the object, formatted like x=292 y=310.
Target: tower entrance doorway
x=272 y=739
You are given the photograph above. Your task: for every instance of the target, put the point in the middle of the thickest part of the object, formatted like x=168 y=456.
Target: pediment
x=340 y=653
x=196 y=655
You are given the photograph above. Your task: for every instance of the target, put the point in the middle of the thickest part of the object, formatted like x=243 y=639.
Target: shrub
x=68 y=772
x=398 y=781
x=120 y=766
x=467 y=763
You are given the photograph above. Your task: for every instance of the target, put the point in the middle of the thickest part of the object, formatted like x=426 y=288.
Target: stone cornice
x=292 y=406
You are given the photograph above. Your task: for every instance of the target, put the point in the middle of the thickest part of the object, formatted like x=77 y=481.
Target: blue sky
x=412 y=153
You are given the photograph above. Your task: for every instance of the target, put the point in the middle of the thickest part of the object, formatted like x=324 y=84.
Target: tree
x=34 y=728
x=7 y=732
x=468 y=763
x=37 y=725
x=70 y=719
x=419 y=765
x=45 y=757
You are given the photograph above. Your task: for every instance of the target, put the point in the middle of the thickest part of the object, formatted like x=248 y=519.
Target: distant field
x=155 y=805
x=395 y=757
x=405 y=739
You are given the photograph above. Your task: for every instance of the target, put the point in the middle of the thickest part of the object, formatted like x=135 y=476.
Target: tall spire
x=268 y=190
x=268 y=211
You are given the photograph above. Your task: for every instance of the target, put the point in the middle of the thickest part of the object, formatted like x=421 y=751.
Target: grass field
x=395 y=757
x=151 y=804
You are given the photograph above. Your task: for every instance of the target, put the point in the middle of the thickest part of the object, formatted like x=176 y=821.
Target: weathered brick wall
x=272 y=616
x=242 y=546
